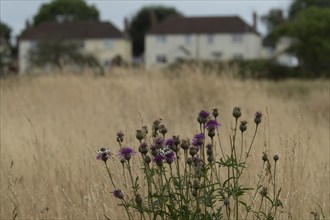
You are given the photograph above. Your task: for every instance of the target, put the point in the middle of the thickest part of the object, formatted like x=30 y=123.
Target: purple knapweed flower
x=171 y=144
x=203 y=116
x=198 y=139
x=118 y=193
x=126 y=153
x=103 y=154
x=158 y=159
x=212 y=124
x=169 y=156
x=159 y=142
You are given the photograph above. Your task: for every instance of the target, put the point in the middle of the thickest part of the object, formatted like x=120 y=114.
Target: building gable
x=72 y=30
x=198 y=25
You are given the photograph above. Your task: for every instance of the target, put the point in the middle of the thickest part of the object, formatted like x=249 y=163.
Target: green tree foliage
x=141 y=23
x=299 y=5
x=273 y=19
x=5 y=48
x=5 y=31
x=65 y=10
x=60 y=53
x=310 y=31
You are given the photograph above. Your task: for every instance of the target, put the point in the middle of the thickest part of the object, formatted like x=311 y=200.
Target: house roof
x=190 y=25
x=72 y=30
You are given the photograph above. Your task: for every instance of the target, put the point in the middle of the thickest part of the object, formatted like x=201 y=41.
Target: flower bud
x=196 y=184
x=264 y=157
x=202 y=117
x=147 y=159
x=139 y=135
x=189 y=161
x=237 y=112
x=276 y=157
x=264 y=191
x=162 y=129
x=127 y=157
x=156 y=124
x=122 y=160
x=194 y=192
x=143 y=148
x=176 y=140
x=211 y=133
x=243 y=126
x=138 y=199
x=118 y=193
x=192 y=151
x=120 y=137
x=215 y=112
x=257 y=118
x=209 y=151
x=226 y=201
x=185 y=144
x=145 y=129
x=210 y=158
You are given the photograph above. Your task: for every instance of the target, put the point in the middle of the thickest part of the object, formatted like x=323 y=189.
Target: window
x=33 y=45
x=237 y=38
x=187 y=39
x=82 y=44
x=238 y=56
x=107 y=63
x=161 y=59
x=161 y=39
x=109 y=44
x=210 y=39
x=217 y=54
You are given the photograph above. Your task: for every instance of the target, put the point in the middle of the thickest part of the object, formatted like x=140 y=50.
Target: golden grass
x=51 y=126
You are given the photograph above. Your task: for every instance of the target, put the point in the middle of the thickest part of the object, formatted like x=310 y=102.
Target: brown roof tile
x=72 y=30
x=190 y=25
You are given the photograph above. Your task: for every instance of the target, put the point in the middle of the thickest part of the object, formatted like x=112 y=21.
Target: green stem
x=247 y=155
x=113 y=184
x=130 y=173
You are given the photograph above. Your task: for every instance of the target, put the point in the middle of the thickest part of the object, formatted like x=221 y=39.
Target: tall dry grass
x=51 y=126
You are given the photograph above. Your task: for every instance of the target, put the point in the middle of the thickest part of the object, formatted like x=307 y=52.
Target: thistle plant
x=197 y=177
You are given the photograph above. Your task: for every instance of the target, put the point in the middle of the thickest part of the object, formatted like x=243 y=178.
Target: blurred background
x=272 y=39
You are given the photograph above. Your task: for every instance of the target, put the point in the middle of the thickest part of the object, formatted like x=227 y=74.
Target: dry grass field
x=52 y=125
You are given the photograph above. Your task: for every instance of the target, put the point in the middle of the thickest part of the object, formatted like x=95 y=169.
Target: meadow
x=52 y=125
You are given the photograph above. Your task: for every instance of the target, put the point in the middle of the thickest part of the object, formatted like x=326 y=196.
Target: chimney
x=254 y=17
x=27 y=24
x=126 y=25
x=153 y=19
x=280 y=16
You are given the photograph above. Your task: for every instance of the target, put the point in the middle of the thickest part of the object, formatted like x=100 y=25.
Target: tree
x=141 y=23
x=273 y=19
x=62 y=52
x=65 y=10
x=5 y=31
x=299 y=5
x=310 y=31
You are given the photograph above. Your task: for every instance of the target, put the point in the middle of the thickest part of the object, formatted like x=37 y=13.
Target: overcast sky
x=16 y=12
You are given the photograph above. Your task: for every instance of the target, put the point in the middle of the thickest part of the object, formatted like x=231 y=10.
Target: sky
x=16 y=12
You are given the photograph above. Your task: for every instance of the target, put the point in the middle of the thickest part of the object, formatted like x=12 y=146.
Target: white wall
x=103 y=51
x=200 y=48
x=98 y=47
x=23 y=55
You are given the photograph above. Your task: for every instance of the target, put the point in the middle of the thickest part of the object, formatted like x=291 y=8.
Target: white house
x=101 y=39
x=202 y=38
